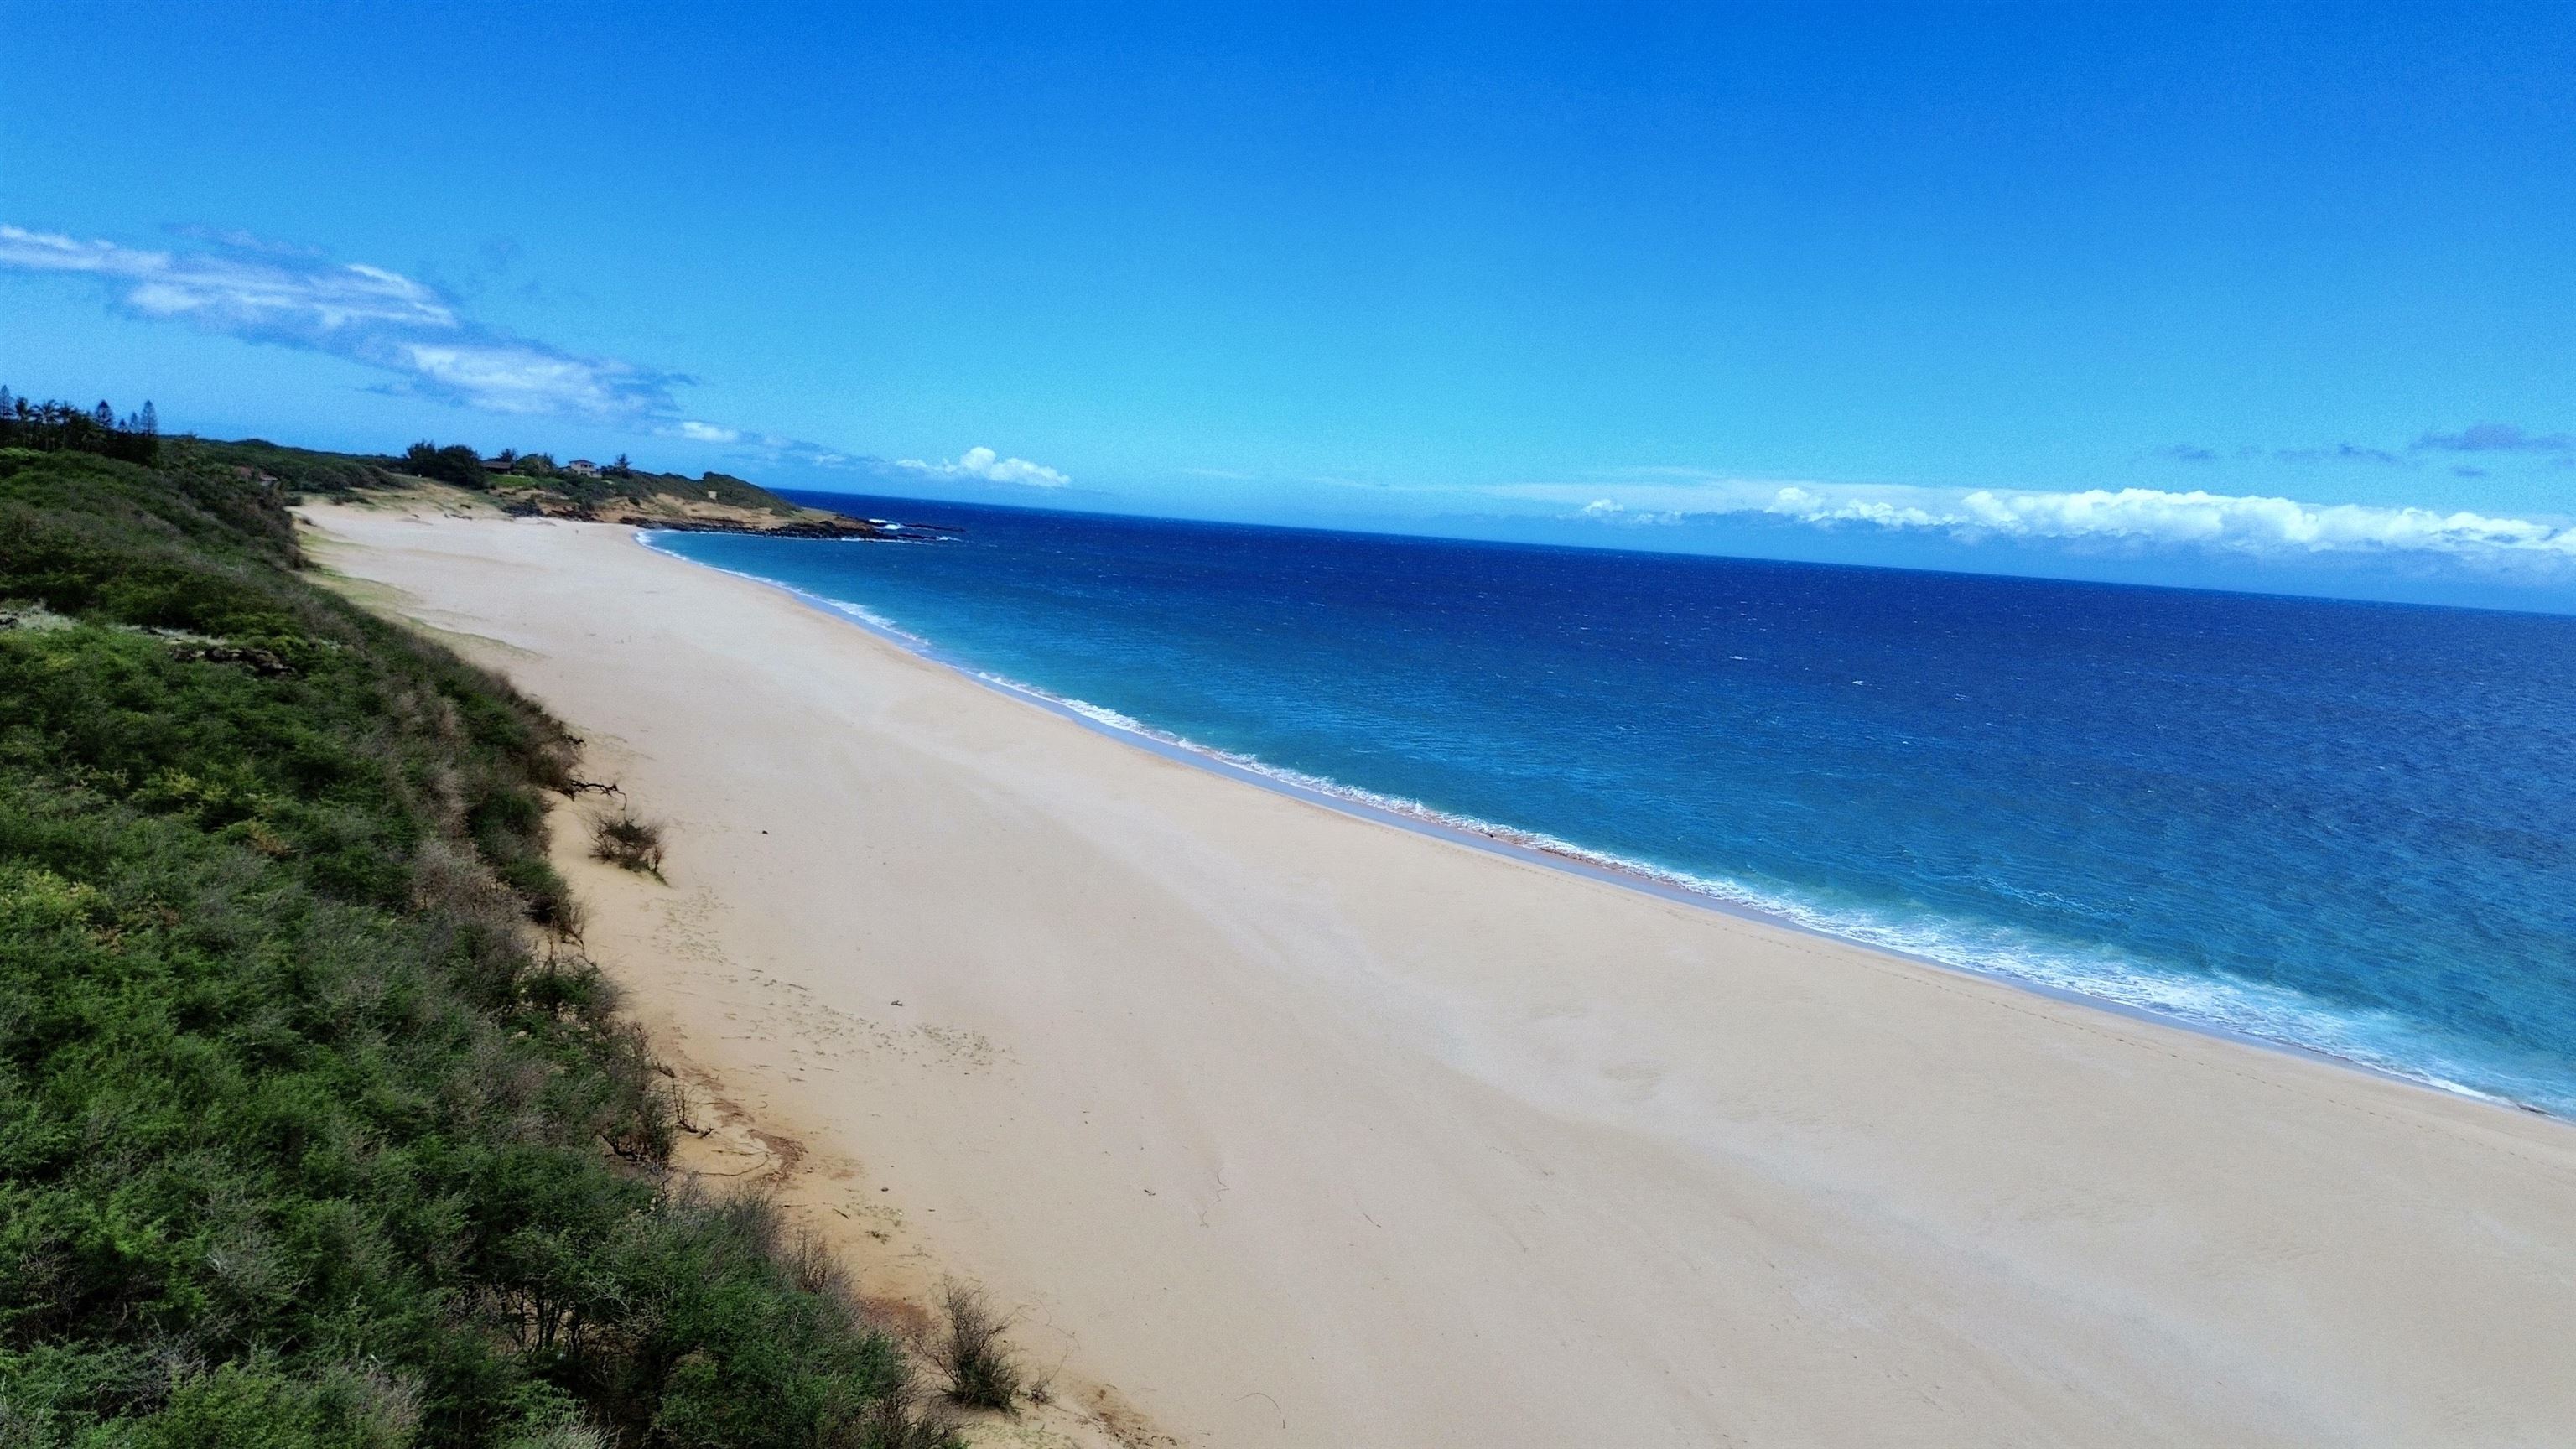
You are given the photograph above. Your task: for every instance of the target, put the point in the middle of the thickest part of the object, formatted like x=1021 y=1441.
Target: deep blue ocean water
x=2347 y=827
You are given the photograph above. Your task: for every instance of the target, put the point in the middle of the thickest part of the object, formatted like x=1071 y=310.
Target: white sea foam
x=2258 y=1011
x=869 y=617
x=858 y=613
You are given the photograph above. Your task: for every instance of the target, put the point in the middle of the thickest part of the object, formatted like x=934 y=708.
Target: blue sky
x=2276 y=297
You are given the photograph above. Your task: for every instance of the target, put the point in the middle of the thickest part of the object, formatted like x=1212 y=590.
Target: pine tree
x=106 y=415
x=8 y=405
x=151 y=419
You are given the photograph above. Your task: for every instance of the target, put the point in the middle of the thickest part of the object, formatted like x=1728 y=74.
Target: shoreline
x=1305 y=1132
x=1361 y=804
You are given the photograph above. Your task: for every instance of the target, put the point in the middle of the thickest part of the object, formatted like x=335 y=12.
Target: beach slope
x=1304 y=1130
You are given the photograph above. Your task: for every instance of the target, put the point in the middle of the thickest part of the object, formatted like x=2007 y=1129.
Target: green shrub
x=455 y=464
x=301 y=1142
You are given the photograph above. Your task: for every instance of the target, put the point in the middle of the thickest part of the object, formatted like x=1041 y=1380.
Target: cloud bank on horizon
x=2244 y=524
x=240 y=286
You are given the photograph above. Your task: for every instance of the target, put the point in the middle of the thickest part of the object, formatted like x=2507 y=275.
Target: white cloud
x=989 y=466
x=1611 y=510
x=263 y=291
x=761 y=447
x=2244 y=523
x=2150 y=517
x=236 y=291
x=368 y=315
x=515 y=378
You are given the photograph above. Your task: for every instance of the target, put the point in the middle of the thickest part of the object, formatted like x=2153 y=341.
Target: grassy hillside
x=316 y=1128
x=534 y=484
x=528 y=484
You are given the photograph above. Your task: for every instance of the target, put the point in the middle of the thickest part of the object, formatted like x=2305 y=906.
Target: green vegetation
x=266 y=464
x=522 y=482
x=456 y=464
x=316 y=1128
x=534 y=482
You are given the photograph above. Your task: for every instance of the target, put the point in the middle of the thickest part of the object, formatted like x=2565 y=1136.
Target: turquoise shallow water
x=2345 y=827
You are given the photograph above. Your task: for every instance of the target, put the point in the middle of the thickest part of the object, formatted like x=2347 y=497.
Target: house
x=582 y=468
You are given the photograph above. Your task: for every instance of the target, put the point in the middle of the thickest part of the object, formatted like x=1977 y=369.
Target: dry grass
x=968 y=1349
x=896 y=1422
x=623 y=839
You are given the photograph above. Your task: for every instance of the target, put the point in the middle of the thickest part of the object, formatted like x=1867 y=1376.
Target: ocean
x=2348 y=828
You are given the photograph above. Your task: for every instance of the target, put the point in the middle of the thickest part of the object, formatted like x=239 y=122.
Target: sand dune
x=1303 y=1130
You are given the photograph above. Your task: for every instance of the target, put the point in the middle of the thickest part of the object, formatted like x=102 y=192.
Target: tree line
x=464 y=466
x=57 y=427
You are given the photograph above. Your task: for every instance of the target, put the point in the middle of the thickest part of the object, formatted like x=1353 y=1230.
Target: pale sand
x=1303 y=1130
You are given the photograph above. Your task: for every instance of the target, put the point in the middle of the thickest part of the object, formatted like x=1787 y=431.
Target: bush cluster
x=967 y=1346
x=307 y=1136
x=454 y=463
x=624 y=840
x=618 y=483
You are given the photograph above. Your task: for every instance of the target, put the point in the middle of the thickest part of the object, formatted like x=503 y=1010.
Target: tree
x=8 y=405
x=620 y=467
x=454 y=463
x=106 y=415
x=151 y=419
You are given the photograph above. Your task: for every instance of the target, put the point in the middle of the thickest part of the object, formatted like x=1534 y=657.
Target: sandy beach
x=1303 y=1130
